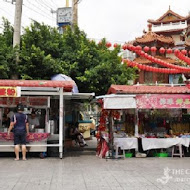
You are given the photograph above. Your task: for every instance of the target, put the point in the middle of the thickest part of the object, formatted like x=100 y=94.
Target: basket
x=128 y=155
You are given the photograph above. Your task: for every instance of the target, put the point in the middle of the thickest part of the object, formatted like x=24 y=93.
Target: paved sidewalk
x=84 y=171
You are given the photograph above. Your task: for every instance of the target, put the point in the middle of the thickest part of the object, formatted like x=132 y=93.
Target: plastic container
x=128 y=155
x=161 y=154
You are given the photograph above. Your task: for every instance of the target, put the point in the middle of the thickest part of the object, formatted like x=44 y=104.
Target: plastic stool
x=116 y=152
x=179 y=147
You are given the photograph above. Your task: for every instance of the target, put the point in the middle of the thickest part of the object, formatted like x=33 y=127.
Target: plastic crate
x=128 y=155
x=161 y=154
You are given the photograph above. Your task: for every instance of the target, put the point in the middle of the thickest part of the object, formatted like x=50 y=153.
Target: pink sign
x=159 y=101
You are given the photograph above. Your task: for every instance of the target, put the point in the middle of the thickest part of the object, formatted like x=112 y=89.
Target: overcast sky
x=116 y=20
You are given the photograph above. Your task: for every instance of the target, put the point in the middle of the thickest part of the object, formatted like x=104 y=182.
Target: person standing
x=19 y=122
x=33 y=121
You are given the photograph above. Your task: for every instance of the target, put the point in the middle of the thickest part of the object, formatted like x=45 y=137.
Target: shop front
x=34 y=95
x=156 y=116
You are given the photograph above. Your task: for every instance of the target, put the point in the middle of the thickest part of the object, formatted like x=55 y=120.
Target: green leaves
x=44 y=52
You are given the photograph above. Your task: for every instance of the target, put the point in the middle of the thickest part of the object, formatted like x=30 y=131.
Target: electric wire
x=41 y=4
x=56 y=5
x=45 y=3
x=40 y=13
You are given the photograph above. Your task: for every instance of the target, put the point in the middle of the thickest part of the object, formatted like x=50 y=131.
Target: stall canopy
x=66 y=85
x=142 y=89
x=154 y=97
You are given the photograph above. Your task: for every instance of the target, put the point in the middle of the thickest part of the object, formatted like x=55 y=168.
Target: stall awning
x=165 y=101
x=66 y=85
x=118 y=101
x=144 y=89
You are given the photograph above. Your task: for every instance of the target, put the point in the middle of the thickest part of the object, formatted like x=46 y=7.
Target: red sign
x=28 y=101
x=9 y=91
x=157 y=101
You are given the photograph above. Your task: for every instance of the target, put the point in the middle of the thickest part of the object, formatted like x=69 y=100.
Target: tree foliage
x=44 y=52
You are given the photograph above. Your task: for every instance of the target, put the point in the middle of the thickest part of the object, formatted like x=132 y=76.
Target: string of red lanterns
x=150 y=68
x=181 y=56
x=162 y=50
x=138 y=50
x=173 y=68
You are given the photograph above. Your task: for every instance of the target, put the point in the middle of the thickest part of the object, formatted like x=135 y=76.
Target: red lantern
x=133 y=48
x=176 y=51
x=129 y=47
x=115 y=45
x=153 y=49
x=169 y=50
x=184 y=52
x=108 y=44
x=124 y=47
x=148 y=68
x=189 y=51
x=162 y=50
x=146 y=48
x=138 y=48
x=142 y=53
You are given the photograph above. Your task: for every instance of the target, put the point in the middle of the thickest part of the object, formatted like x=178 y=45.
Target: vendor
x=7 y=117
x=33 y=121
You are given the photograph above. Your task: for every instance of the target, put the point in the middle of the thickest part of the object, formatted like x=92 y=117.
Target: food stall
x=34 y=94
x=112 y=127
x=161 y=116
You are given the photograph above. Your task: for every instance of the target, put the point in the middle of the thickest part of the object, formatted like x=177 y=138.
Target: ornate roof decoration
x=169 y=16
x=153 y=37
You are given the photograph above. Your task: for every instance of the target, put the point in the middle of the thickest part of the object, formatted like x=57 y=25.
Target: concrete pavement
x=82 y=170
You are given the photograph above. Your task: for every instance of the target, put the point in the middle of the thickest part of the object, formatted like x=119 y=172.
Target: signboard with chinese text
x=6 y=91
x=159 y=101
x=41 y=102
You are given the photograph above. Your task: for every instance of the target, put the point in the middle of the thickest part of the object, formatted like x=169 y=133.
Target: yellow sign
x=6 y=91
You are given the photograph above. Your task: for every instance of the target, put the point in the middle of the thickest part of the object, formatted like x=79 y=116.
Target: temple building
x=170 y=31
x=173 y=25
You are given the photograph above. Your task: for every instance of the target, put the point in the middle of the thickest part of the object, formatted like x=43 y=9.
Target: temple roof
x=169 y=16
x=153 y=37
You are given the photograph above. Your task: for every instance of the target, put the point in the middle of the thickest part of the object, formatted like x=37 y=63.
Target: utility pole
x=75 y=11
x=17 y=29
x=67 y=3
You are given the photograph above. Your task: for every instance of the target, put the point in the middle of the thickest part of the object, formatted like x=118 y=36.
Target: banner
x=41 y=102
x=10 y=91
x=119 y=102
x=160 y=101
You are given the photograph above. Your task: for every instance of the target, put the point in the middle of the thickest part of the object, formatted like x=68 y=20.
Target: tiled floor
x=82 y=170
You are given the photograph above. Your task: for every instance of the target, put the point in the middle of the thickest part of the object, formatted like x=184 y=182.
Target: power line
x=40 y=13
x=54 y=3
x=45 y=3
x=7 y=12
x=45 y=7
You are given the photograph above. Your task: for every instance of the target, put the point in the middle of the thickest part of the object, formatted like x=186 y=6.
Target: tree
x=44 y=52
x=7 y=53
x=93 y=67
x=40 y=52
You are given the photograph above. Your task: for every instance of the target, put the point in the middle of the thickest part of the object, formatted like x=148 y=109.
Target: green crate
x=161 y=154
x=128 y=155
